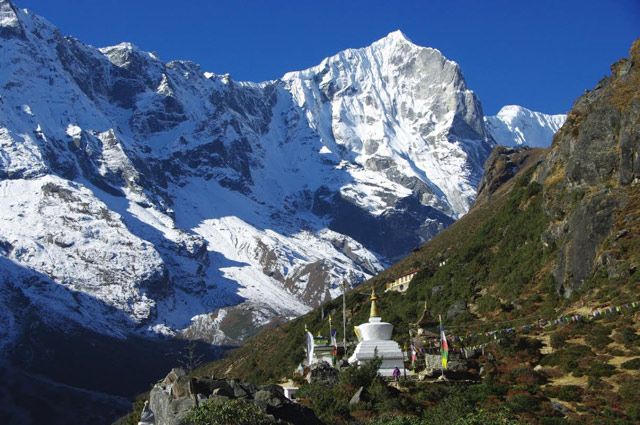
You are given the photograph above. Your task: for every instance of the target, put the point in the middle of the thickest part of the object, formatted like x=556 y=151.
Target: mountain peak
x=394 y=38
x=515 y=125
x=9 y=21
x=398 y=36
x=6 y=4
x=511 y=109
x=125 y=54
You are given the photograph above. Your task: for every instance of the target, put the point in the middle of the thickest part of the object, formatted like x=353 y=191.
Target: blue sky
x=539 y=54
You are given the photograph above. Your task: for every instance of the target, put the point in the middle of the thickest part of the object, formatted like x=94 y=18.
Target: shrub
x=631 y=364
x=482 y=417
x=361 y=376
x=551 y=391
x=523 y=375
x=488 y=304
x=594 y=382
x=522 y=403
x=598 y=341
x=453 y=407
x=568 y=357
x=533 y=188
x=630 y=389
x=633 y=412
x=232 y=412
x=553 y=421
x=326 y=402
x=480 y=392
x=557 y=340
x=629 y=337
x=599 y=370
x=570 y=393
x=598 y=336
x=388 y=419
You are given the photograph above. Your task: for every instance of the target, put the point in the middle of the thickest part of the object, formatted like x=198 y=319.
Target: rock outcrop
x=322 y=373
x=177 y=393
x=503 y=163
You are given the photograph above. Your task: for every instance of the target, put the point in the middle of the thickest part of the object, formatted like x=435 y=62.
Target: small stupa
x=428 y=329
x=377 y=335
x=427 y=325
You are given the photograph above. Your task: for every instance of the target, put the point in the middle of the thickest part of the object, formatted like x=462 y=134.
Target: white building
x=401 y=284
x=376 y=335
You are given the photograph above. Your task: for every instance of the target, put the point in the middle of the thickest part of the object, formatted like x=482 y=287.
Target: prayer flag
x=357 y=332
x=444 y=350
x=310 y=347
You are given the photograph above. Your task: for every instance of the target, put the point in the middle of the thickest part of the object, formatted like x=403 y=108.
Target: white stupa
x=377 y=335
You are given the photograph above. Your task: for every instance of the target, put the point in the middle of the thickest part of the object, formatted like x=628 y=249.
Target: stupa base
x=389 y=351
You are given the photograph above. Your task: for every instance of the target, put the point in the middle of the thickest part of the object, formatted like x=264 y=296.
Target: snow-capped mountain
x=402 y=111
x=139 y=196
x=515 y=126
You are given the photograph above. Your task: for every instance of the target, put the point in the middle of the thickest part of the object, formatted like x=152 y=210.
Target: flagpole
x=441 y=335
x=333 y=361
x=344 y=318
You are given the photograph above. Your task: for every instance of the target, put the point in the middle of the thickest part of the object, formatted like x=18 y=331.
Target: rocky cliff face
x=591 y=175
x=502 y=165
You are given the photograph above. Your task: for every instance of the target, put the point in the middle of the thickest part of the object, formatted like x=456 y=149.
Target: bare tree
x=190 y=360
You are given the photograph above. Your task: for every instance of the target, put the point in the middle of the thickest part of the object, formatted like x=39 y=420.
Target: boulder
x=180 y=388
x=559 y=408
x=456 y=309
x=219 y=398
x=270 y=398
x=360 y=396
x=208 y=386
x=323 y=373
x=173 y=376
x=239 y=391
x=294 y=414
x=167 y=409
x=222 y=392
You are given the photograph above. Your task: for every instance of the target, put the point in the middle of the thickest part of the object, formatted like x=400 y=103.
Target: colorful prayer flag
x=444 y=351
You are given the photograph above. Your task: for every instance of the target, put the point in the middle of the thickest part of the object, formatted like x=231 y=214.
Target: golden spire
x=374 y=304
